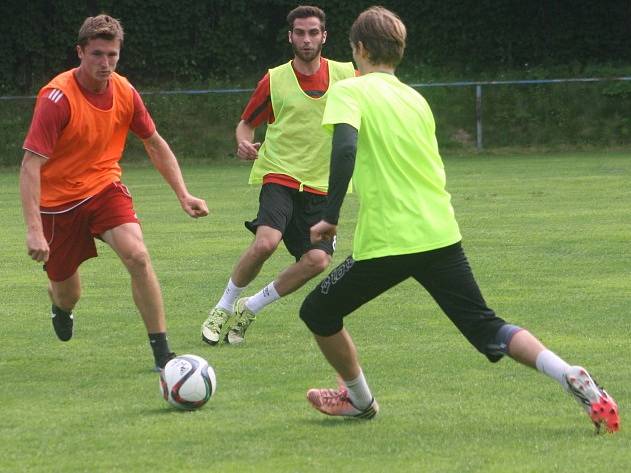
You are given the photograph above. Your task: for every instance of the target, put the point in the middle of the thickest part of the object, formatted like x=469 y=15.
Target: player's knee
x=66 y=299
x=501 y=342
x=263 y=248
x=64 y=295
x=316 y=261
x=318 y=321
x=308 y=315
x=137 y=259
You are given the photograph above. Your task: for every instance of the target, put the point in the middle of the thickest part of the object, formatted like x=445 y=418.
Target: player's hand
x=37 y=246
x=194 y=207
x=248 y=151
x=323 y=231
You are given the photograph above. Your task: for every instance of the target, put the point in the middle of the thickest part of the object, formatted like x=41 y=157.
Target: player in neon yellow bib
x=397 y=215
x=285 y=150
x=383 y=136
x=293 y=167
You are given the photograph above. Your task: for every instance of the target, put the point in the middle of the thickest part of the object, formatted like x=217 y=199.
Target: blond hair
x=100 y=26
x=382 y=33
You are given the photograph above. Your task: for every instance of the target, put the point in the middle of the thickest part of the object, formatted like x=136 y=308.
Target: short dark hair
x=100 y=26
x=306 y=11
x=382 y=33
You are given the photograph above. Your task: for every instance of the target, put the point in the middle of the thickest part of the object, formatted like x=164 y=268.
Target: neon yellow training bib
x=295 y=144
x=399 y=175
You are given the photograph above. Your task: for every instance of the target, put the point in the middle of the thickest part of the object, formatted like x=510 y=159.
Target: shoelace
x=216 y=320
x=332 y=397
x=244 y=320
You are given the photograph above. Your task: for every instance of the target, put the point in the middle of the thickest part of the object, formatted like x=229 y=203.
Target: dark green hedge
x=193 y=42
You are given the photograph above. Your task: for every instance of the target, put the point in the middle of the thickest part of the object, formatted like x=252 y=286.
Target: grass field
x=548 y=239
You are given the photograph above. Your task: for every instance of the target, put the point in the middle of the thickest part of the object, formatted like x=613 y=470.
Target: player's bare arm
x=36 y=243
x=247 y=150
x=165 y=162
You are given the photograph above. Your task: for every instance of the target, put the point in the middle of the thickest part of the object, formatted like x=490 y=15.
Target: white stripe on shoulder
x=35 y=152
x=59 y=96
x=55 y=95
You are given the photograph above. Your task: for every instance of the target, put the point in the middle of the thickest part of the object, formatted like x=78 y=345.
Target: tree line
x=202 y=41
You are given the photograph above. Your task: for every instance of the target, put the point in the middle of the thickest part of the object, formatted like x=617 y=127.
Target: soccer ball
x=188 y=382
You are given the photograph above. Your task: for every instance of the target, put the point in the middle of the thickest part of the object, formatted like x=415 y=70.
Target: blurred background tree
x=232 y=41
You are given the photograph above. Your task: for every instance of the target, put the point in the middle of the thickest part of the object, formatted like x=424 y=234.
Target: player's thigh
x=110 y=208
x=447 y=276
x=308 y=209
x=349 y=286
x=275 y=208
x=70 y=242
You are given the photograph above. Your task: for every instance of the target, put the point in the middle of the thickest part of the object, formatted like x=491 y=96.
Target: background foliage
x=220 y=43
x=195 y=41
x=525 y=117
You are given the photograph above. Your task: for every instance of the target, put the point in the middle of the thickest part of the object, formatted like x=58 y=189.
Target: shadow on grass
x=158 y=411
x=332 y=422
x=170 y=410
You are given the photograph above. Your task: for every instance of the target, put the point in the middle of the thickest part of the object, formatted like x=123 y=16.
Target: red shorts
x=70 y=229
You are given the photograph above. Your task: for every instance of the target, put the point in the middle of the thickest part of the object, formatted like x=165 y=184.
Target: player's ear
x=324 y=37
x=359 y=48
x=79 y=51
x=289 y=36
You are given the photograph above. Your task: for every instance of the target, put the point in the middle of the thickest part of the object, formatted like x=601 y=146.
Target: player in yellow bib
x=384 y=137
x=292 y=165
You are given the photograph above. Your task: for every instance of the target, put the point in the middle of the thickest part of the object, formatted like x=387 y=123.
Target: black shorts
x=292 y=213
x=445 y=273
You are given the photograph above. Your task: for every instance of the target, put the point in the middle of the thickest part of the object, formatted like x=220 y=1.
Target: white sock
x=359 y=392
x=230 y=295
x=549 y=363
x=265 y=296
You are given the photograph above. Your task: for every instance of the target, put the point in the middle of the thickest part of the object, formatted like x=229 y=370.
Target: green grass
x=547 y=237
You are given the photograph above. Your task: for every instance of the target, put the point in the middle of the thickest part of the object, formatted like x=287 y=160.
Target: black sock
x=60 y=311
x=160 y=347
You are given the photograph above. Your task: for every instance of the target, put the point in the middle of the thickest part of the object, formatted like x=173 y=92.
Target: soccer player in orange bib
x=70 y=180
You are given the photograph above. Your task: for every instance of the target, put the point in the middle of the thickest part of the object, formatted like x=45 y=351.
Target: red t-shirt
x=52 y=113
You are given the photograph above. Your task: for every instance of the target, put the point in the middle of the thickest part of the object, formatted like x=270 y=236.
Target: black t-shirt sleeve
x=343 y=152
